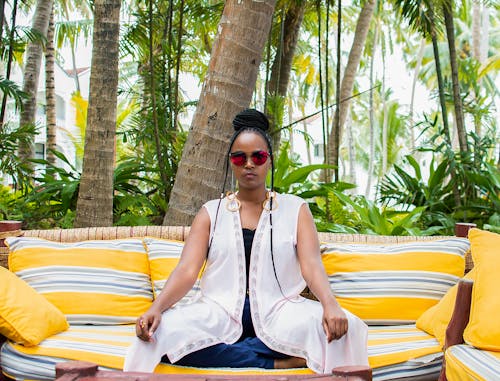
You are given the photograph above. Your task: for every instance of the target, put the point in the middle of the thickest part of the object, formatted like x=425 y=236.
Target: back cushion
x=396 y=283
x=91 y=282
x=163 y=257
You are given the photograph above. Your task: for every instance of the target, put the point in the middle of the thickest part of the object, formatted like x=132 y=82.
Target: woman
x=261 y=249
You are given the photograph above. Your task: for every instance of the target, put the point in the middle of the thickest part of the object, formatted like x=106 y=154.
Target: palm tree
x=95 y=196
x=422 y=17
x=50 y=92
x=448 y=6
x=227 y=89
x=31 y=73
x=347 y=84
x=282 y=64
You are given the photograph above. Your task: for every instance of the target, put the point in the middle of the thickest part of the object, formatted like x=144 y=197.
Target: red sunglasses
x=239 y=158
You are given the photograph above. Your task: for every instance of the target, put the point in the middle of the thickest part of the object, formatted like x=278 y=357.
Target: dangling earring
x=232 y=203
x=266 y=205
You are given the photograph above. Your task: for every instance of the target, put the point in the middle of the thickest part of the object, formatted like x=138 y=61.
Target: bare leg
x=291 y=362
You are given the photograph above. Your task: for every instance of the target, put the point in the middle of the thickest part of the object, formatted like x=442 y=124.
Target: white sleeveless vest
x=282 y=319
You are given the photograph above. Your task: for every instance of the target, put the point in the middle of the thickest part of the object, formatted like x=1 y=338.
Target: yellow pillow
x=483 y=330
x=26 y=317
x=435 y=320
x=393 y=283
x=91 y=282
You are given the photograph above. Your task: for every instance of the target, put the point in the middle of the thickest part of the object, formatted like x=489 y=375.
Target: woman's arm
x=313 y=271
x=182 y=278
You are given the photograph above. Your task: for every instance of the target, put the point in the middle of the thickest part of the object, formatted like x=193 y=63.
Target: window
x=39 y=151
x=318 y=150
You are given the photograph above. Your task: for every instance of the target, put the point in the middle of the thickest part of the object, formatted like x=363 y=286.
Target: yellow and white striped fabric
x=398 y=351
x=394 y=283
x=163 y=257
x=466 y=363
x=91 y=282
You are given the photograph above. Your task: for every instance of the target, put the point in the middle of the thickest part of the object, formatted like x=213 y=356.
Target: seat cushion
x=393 y=283
x=91 y=282
x=394 y=352
x=464 y=362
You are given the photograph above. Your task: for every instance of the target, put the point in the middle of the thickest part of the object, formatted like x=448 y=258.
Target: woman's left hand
x=334 y=322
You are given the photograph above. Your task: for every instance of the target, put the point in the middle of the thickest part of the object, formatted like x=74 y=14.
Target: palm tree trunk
x=420 y=57
x=371 y=156
x=50 y=92
x=227 y=89
x=485 y=33
x=282 y=65
x=31 y=73
x=457 y=99
x=178 y=57
x=9 y=61
x=476 y=30
x=351 y=151
x=439 y=74
x=2 y=17
x=362 y=27
x=442 y=101
x=476 y=53
x=95 y=197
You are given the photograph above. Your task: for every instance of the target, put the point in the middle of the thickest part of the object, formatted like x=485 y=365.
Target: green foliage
x=473 y=175
x=12 y=90
x=11 y=164
x=52 y=201
x=407 y=188
x=9 y=206
x=383 y=220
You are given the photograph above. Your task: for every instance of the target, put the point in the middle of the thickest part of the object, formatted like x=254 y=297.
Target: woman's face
x=251 y=175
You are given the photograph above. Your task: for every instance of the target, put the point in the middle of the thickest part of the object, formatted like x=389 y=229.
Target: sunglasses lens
x=238 y=158
x=259 y=157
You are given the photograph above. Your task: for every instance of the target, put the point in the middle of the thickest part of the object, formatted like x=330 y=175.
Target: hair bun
x=251 y=118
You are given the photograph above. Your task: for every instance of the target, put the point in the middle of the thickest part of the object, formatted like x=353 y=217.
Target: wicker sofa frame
x=180 y=233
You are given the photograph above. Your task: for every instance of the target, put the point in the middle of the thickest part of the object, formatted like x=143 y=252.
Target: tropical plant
x=477 y=180
x=407 y=188
x=384 y=220
x=292 y=177
x=54 y=197
x=11 y=164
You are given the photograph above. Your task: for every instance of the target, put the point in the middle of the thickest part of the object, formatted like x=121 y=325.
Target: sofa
x=85 y=287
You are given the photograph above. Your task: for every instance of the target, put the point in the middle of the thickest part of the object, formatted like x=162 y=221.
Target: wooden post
x=353 y=373
x=7 y=229
x=75 y=369
x=459 y=319
x=462 y=228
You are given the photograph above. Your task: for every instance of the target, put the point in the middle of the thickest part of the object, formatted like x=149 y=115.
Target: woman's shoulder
x=211 y=204
x=290 y=199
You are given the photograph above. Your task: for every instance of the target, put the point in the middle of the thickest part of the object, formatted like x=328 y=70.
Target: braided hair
x=250 y=120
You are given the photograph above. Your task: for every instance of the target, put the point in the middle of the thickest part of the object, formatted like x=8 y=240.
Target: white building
x=65 y=112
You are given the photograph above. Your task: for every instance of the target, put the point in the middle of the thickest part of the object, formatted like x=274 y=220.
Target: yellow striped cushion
x=396 y=283
x=163 y=256
x=464 y=362
x=91 y=282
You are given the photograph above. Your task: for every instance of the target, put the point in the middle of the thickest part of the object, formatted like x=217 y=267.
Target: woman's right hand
x=146 y=324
